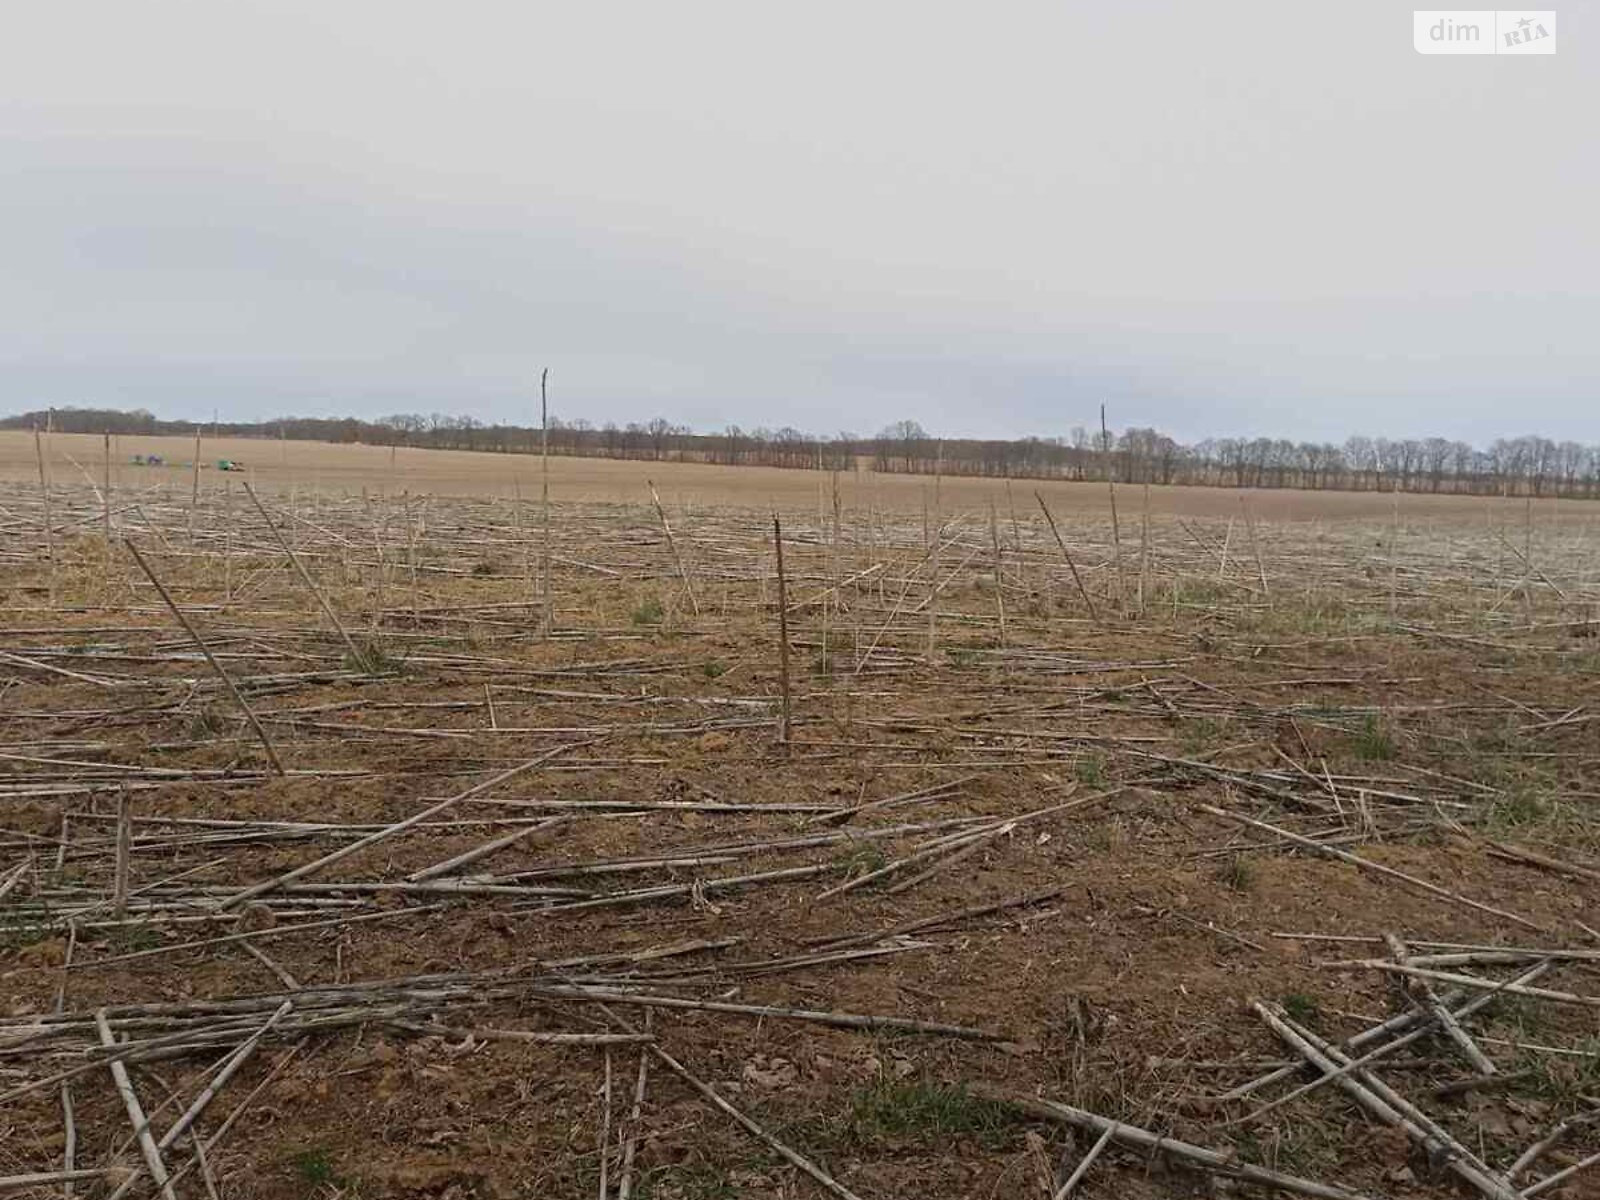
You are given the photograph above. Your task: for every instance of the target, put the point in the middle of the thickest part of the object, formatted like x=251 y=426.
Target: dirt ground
x=776 y=903
x=323 y=466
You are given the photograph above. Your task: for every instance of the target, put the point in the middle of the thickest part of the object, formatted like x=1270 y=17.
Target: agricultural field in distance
x=383 y=833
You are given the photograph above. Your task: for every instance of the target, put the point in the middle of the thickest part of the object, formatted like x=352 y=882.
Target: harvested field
x=463 y=862
x=294 y=467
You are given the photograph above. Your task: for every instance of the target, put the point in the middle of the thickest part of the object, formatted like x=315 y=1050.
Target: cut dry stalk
x=130 y=1101
x=1369 y=865
x=1085 y=1163
x=1223 y=1163
x=1473 y=981
x=1434 y=1006
x=630 y=1147
x=1387 y=1105
x=828 y=1182
x=387 y=831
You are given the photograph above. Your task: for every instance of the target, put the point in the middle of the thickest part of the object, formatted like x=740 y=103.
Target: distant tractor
x=229 y=464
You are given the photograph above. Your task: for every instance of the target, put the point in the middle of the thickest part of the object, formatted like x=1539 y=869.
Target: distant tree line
x=1521 y=466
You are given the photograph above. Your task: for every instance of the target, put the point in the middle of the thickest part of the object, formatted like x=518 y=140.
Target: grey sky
x=1227 y=217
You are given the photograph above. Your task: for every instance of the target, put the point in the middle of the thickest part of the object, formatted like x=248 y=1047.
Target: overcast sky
x=1220 y=218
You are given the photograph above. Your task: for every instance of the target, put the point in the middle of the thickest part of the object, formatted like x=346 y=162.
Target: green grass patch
x=1201 y=735
x=647 y=612
x=1561 y=1079
x=313 y=1166
x=863 y=860
x=1239 y=875
x=699 y=1181
x=1091 y=771
x=901 y=1109
x=1302 y=1009
x=1517 y=808
x=1374 y=741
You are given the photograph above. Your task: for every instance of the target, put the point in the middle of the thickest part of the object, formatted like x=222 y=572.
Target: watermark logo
x=1483 y=31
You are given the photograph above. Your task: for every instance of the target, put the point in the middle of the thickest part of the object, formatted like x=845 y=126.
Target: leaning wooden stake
x=1067 y=554
x=783 y=631
x=358 y=658
x=672 y=544
x=194 y=635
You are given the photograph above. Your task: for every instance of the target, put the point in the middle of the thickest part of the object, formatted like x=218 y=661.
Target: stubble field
x=467 y=861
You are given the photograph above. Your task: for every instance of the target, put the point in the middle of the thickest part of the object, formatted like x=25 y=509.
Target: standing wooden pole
x=119 y=886
x=999 y=570
x=831 y=599
x=358 y=657
x=105 y=491
x=69 y=1123
x=227 y=542
x=49 y=526
x=1144 y=548
x=194 y=634
x=933 y=566
x=194 y=492
x=1116 y=528
x=625 y=1185
x=1016 y=537
x=1255 y=549
x=544 y=467
x=783 y=632
x=605 y=1133
x=837 y=543
x=1394 y=554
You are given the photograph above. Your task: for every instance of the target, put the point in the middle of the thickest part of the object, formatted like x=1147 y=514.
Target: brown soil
x=1417 y=692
